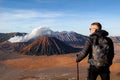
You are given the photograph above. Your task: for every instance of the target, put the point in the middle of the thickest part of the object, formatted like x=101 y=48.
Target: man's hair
x=98 y=24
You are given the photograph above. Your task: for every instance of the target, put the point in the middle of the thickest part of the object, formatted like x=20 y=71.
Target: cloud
x=12 y=18
x=27 y=14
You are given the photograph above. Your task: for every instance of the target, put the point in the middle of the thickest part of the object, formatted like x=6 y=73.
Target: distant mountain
x=6 y=36
x=20 y=45
x=48 y=46
x=115 y=39
x=71 y=38
x=13 y=47
x=44 y=41
x=6 y=46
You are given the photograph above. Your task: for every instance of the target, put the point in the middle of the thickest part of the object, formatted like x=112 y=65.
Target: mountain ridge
x=48 y=46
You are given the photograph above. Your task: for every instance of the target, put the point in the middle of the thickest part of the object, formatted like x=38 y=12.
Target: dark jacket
x=87 y=50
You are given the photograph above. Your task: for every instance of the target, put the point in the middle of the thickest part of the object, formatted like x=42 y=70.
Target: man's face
x=93 y=29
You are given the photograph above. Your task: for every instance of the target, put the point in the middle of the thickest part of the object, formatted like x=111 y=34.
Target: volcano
x=48 y=46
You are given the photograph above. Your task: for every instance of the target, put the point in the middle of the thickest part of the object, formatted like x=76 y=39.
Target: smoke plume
x=37 y=32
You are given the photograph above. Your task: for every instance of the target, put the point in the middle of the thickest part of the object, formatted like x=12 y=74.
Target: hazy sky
x=59 y=15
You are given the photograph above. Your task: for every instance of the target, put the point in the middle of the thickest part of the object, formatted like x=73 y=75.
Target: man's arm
x=85 y=51
x=111 y=52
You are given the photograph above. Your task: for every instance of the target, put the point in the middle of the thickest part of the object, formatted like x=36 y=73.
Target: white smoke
x=37 y=32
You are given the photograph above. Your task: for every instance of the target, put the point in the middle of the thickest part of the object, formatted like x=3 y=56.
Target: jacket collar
x=100 y=33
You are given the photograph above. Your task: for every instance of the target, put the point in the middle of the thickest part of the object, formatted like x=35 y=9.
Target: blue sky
x=59 y=15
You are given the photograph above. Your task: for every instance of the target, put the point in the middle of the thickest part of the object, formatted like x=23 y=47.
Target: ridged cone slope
x=48 y=46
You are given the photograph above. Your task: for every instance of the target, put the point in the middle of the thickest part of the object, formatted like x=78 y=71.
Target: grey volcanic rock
x=72 y=38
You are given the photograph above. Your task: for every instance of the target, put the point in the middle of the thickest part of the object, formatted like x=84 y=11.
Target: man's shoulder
x=109 y=39
x=89 y=39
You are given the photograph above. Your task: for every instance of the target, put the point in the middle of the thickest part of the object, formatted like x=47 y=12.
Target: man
x=96 y=33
